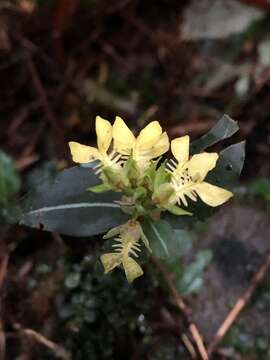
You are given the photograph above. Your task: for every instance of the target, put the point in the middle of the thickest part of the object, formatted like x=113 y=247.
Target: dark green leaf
x=179 y=222
x=191 y=280
x=165 y=242
x=184 y=240
x=194 y=287
x=223 y=129
x=62 y=204
x=229 y=166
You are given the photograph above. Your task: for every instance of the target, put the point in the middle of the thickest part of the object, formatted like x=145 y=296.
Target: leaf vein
x=160 y=238
x=73 y=206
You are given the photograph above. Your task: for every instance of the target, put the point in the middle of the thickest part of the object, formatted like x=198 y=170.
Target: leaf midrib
x=73 y=206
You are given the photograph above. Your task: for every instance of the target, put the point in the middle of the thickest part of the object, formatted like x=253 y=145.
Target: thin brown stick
x=238 y=307
x=58 y=350
x=198 y=340
x=41 y=93
x=186 y=311
x=189 y=346
x=26 y=161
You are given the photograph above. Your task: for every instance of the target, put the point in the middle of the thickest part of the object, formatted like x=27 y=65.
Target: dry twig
x=58 y=350
x=41 y=93
x=238 y=307
x=189 y=346
x=186 y=311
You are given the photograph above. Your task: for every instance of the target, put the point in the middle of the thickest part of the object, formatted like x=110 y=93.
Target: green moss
x=98 y=311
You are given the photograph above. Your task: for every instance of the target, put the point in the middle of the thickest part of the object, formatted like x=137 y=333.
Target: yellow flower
x=188 y=175
x=84 y=154
x=150 y=143
x=127 y=244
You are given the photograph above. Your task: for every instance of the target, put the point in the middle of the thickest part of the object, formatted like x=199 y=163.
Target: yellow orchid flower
x=188 y=175
x=150 y=143
x=84 y=154
x=127 y=244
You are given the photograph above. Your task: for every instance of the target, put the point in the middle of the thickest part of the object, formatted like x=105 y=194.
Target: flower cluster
x=133 y=166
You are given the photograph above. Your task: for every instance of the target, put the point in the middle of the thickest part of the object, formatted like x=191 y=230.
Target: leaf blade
x=63 y=205
x=222 y=130
x=166 y=243
x=229 y=166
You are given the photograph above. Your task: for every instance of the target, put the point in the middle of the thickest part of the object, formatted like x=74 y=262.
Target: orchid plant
x=127 y=189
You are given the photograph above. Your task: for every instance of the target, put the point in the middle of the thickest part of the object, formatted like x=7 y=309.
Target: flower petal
x=180 y=148
x=200 y=164
x=110 y=261
x=132 y=269
x=124 y=140
x=149 y=135
x=104 y=134
x=161 y=146
x=212 y=195
x=83 y=154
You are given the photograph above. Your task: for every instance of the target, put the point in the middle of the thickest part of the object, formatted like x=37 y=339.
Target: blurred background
x=184 y=63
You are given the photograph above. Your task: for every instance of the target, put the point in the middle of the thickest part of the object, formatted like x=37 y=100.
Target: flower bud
x=115 y=178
